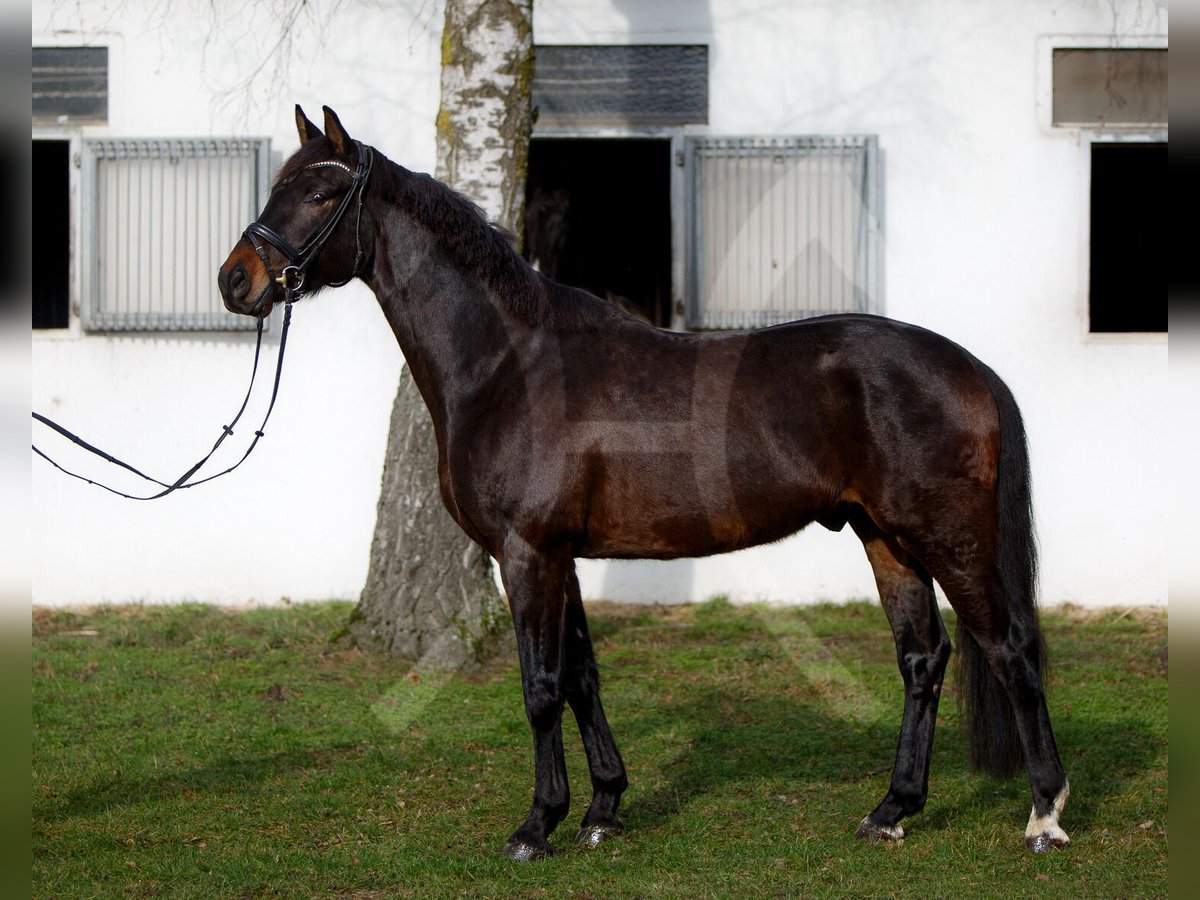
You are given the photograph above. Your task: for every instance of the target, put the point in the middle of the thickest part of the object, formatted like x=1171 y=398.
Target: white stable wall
x=986 y=241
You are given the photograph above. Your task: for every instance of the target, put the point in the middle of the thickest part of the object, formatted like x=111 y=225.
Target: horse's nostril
x=239 y=283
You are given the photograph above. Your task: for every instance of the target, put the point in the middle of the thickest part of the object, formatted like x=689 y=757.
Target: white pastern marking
x=891 y=832
x=1047 y=826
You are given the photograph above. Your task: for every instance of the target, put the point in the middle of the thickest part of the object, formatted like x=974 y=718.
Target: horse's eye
x=318 y=197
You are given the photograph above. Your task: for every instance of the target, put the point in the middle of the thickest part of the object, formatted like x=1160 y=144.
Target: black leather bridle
x=291 y=278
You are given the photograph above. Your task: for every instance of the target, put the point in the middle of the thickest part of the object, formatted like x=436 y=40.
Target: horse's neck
x=454 y=335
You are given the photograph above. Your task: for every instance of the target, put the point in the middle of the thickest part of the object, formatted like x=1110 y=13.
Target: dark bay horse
x=566 y=428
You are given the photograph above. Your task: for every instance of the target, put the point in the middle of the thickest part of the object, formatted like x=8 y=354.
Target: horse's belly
x=664 y=506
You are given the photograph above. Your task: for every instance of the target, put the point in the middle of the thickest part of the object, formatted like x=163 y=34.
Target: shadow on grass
x=226 y=776
x=768 y=740
x=750 y=733
x=736 y=739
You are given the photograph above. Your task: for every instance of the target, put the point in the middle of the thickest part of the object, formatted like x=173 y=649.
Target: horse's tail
x=987 y=713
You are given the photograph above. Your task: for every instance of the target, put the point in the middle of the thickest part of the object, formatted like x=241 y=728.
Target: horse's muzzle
x=240 y=292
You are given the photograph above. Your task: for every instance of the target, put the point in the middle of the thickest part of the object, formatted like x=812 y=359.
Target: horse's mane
x=463 y=231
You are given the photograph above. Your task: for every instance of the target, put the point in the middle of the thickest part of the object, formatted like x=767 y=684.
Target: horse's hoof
x=1046 y=841
x=1043 y=833
x=521 y=850
x=590 y=836
x=872 y=832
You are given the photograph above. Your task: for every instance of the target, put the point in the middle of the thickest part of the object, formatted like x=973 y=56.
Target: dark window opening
x=1128 y=289
x=598 y=217
x=51 y=238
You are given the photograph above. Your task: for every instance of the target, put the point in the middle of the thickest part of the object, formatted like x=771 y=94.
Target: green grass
x=191 y=751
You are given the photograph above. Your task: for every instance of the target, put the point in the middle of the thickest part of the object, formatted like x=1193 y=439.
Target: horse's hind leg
x=922 y=649
x=582 y=686
x=1001 y=653
x=536 y=587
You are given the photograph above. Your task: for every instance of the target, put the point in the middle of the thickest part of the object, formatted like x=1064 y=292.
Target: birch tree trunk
x=430 y=593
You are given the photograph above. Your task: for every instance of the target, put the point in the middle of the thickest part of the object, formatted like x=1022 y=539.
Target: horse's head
x=309 y=234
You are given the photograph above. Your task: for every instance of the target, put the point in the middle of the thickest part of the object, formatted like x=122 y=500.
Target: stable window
x=51 y=238
x=1117 y=98
x=781 y=229
x=158 y=217
x=1128 y=277
x=598 y=217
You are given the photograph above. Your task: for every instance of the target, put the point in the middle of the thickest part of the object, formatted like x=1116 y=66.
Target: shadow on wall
x=638 y=581
x=652 y=19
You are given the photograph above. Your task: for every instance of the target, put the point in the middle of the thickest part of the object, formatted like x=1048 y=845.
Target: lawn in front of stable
x=194 y=750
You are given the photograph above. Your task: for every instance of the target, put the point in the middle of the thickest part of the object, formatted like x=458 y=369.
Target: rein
x=291 y=279
x=226 y=430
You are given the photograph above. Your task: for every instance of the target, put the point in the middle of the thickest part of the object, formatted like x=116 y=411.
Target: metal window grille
x=781 y=229
x=159 y=216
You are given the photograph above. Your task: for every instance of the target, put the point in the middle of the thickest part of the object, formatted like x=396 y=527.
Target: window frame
x=1047 y=44
x=872 y=253
x=676 y=137
x=1089 y=138
x=81 y=231
x=1084 y=137
x=94 y=320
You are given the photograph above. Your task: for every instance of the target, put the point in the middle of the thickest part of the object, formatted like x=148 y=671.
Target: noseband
x=291 y=279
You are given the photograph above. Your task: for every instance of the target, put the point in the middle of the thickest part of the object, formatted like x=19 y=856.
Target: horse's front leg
x=922 y=649
x=535 y=583
x=582 y=688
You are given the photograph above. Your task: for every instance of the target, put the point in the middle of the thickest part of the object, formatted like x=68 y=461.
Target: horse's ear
x=342 y=142
x=306 y=129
